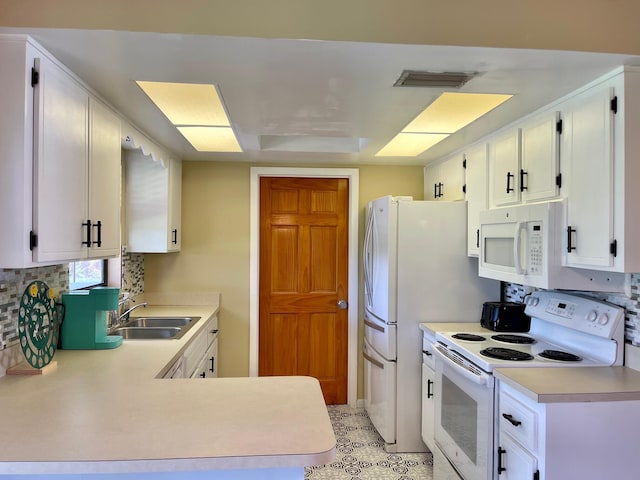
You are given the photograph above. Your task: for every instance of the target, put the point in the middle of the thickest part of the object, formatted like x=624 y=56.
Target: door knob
x=342 y=304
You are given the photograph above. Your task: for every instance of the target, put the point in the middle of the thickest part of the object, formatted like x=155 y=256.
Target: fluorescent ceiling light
x=211 y=139
x=452 y=111
x=410 y=144
x=198 y=113
x=447 y=114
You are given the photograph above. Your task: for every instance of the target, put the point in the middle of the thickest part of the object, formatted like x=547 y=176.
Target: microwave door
x=521 y=230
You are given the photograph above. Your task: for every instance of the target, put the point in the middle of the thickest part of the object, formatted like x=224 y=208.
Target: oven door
x=464 y=414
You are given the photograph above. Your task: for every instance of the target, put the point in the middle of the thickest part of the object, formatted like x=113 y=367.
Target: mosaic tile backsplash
x=13 y=283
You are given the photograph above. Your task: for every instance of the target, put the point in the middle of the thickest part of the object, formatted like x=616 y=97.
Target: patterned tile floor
x=360 y=454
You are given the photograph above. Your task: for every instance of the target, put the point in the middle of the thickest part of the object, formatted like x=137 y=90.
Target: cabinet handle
x=477 y=238
x=500 y=467
x=99 y=241
x=509 y=187
x=513 y=421
x=427 y=353
x=440 y=194
x=429 y=392
x=202 y=375
x=87 y=224
x=214 y=331
x=522 y=174
x=213 y=364
x=570 y=232
x=435 y=190
x=174 y=234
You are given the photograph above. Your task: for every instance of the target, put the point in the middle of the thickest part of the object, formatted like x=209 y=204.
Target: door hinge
x=559 y=126
x=35 y=77
x=559 y=180
x=613 y=248
x=464 y=163
x=464 y=188
x=33 y=240
x=614 y=104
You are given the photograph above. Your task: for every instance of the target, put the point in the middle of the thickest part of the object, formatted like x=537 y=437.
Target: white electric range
x=567 y=330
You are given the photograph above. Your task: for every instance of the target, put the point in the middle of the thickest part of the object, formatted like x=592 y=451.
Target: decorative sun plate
x=38 y=324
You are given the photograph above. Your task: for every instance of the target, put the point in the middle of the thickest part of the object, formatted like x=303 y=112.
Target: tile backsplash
x=14 y=281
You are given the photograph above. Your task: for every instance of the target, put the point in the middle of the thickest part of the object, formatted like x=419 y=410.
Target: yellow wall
x=587 y=25
x=215 y=243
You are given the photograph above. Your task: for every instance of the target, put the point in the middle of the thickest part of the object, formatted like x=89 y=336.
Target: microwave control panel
x=535 y=248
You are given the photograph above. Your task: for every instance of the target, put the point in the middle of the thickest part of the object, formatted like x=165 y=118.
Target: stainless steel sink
x=160 y=321
x=155 y=328
x=147 y=333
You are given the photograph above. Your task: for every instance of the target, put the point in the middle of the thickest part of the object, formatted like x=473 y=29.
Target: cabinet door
x=60 y=170
x=476 y=195
x=428 y=407
x=588 y=158
x=431 y=180
x=540 y=158
x=208 y=366
x=514 y=462
x=452 y=178
x=104 y=180
x=175 y=206
x=504 y=169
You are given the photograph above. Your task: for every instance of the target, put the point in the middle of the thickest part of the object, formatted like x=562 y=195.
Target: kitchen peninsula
x=110 y=412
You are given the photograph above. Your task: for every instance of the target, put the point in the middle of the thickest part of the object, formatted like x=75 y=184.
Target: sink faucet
x=126 y=313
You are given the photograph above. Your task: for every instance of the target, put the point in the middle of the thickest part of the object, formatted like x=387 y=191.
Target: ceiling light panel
x=187 y=103
x=452 y=111
x=410 y=144
x=211 y=139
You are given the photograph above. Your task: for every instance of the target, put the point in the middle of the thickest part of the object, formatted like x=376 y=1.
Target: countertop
x=577 y=384
x=558 y=384
x=104 y=411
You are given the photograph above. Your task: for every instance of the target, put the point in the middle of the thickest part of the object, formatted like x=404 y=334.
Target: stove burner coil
x=506 y=354
x=560 y=355
x=507 y=338
x=469 y=337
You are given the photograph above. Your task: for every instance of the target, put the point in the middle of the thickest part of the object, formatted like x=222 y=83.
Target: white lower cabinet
x=592 y=439
x=200 y=359
x=428 y=407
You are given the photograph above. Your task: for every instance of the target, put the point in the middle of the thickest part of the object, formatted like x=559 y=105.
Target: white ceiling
x=309 y=101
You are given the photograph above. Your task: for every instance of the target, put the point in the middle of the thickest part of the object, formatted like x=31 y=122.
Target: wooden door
x=303 y=276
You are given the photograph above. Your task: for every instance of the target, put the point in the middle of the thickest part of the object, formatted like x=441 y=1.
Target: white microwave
x=524 y=244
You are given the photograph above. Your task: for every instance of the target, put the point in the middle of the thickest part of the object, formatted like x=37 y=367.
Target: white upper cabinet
x=601 y=169
x=77 y=170
x=538 y=177
x=504 y=168
x=105 y=175
x=153 y=203
x=445 y=180
x=53 y=137
x=476 y=194
x=61 y=139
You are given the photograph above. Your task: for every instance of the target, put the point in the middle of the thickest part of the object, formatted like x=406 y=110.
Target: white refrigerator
x=416 y=269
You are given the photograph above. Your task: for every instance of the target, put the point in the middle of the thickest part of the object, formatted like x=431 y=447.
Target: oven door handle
x=461 y=365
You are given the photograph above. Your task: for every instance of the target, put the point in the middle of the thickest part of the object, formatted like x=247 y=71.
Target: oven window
x=460 y=418
x=499 y=251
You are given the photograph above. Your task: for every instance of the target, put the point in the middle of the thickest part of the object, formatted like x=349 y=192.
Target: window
x=87 y=274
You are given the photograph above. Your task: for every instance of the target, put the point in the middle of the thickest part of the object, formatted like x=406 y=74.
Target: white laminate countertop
x=104 y=411
x=469 y=327
x=573 y=384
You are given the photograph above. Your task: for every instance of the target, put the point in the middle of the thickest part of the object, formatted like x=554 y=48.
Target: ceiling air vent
x=413 y=78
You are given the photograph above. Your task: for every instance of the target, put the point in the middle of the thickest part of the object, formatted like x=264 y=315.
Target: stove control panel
x=586 y=314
